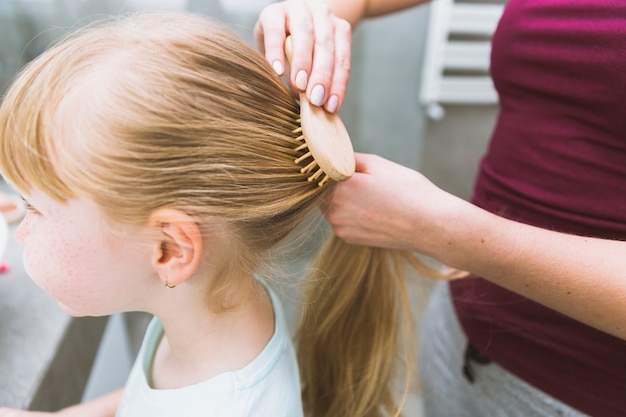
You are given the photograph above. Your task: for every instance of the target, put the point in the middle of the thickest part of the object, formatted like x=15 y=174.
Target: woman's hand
x=388 y=205
x=320 y=64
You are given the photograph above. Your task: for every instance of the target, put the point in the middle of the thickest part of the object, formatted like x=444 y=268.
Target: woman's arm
x=354 y=11
x=322 y=38
x=388 y=205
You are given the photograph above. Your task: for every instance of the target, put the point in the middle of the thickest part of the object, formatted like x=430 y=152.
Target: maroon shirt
x=557 y=160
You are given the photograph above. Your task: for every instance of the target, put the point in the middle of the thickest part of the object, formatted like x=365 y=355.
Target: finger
x=341 y=71
x=362 y=162
x=269 y=34
x=323 y=55
x=302 y=31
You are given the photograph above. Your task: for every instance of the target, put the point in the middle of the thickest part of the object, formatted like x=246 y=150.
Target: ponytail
x=357 y=323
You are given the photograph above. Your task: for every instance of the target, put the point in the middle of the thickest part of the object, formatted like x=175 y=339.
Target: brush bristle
x=312 y=167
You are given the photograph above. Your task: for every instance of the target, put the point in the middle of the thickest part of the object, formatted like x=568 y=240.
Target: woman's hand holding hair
x=388 y=205
x=322 y=44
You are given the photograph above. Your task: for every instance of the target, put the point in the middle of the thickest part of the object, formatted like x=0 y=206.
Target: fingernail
x=332 y=104
x=317 y=95
x=301 y=80
x=278 y=67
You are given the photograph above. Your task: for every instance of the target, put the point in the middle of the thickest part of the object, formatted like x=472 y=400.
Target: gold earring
x=168 y=285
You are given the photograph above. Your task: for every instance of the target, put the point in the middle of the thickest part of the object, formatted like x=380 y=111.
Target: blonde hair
x=172 y=110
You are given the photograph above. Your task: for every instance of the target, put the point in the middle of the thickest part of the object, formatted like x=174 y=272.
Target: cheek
x=39 y=258
x=66 y=267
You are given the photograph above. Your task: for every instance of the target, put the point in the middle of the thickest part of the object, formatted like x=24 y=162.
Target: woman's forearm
x=581 y=277
x=356 y=10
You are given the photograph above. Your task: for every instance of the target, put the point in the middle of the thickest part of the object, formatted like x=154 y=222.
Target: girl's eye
x=30 y=207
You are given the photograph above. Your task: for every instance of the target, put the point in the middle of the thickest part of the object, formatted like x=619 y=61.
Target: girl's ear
x=178 y=248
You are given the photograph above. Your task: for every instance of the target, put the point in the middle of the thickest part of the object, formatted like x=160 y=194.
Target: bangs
x=27 y=139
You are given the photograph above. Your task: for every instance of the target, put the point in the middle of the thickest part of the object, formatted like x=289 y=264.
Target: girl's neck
x=198 y=345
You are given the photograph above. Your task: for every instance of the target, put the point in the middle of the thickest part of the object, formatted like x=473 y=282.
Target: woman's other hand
x=321 y=45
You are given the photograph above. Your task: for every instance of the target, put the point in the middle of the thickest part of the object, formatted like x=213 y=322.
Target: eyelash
x=30 y=207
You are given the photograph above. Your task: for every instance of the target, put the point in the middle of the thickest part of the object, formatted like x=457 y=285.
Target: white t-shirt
x=269 y=386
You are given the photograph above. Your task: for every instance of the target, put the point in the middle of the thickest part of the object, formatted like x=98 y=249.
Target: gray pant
x=494 y=393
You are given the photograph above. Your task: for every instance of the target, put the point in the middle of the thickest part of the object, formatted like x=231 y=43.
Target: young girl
x=156 y=153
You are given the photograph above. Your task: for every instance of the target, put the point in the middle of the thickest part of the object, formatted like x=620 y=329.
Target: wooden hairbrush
x=326 y=138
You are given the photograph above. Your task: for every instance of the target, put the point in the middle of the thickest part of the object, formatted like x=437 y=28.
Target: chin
x=74 y=312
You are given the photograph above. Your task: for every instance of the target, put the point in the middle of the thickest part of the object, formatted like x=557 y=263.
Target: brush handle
x=328 y=140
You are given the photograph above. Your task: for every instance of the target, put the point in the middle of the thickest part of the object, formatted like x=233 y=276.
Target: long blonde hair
x=172 y=110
